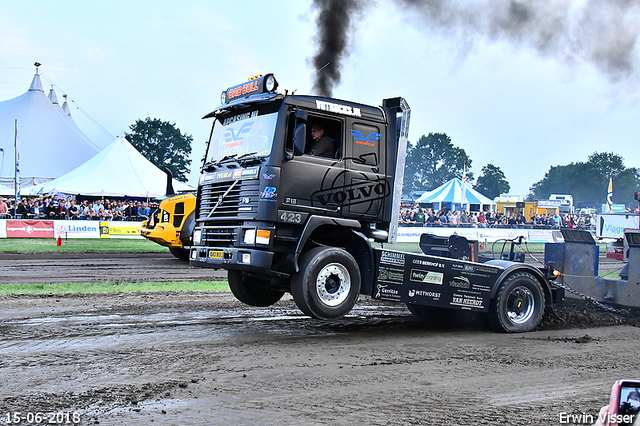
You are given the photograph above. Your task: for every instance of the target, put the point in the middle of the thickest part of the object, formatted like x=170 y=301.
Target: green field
x=73 y=288
x=40 y=245
x=35 y=245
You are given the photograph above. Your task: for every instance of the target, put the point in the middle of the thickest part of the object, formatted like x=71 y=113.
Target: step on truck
x=282 y=220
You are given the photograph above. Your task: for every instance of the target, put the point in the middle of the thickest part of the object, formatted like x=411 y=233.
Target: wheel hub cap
x=520 y=305
x=333 y=284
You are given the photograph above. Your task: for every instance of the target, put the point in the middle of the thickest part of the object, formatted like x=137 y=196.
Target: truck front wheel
x=251 y=291
x=519 y=304
x=328 y=283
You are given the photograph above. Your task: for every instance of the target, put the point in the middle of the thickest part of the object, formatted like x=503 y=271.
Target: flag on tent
x=610 y=195
x=464 y=188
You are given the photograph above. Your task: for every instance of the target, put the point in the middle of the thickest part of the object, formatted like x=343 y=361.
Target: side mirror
x=299 y=139
x=301 y=116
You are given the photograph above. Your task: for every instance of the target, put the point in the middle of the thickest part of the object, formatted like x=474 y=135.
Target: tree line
x=431 y=161
x=434 y=160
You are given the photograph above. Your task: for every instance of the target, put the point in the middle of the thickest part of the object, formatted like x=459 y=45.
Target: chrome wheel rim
x=333 y=284
x=520 y=305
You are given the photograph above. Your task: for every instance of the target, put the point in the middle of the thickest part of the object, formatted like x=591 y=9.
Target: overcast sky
x=519 y=103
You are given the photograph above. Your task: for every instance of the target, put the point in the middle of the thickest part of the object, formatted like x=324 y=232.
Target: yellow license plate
x=216 y=254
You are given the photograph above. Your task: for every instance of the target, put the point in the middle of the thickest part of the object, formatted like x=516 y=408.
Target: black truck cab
x=280 y=219
x=263 y=200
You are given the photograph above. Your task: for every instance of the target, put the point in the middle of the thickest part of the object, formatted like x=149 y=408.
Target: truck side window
x=324 y=139
x=291 y=127
x=365 y=140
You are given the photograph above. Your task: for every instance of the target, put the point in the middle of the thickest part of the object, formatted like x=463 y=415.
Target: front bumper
x=244 y=259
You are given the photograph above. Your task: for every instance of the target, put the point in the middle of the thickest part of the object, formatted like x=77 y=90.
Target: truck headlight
x=270 y=83
x=197 y=236
x=249 y=236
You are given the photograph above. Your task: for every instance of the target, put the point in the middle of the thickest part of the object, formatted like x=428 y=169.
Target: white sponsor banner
x=120 y=230
x=612 y=225
x=76 y=228
x=412 y=234
x=87 y=229
x=541 y=236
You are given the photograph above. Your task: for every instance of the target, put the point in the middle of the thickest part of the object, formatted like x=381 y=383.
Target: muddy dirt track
x=205 y=359
x=62 y=267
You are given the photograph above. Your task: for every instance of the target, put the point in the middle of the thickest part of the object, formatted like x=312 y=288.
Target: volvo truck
x=282 y=220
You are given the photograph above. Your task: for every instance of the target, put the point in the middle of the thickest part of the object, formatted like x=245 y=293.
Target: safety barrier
x=10 y=228
x=119 y=229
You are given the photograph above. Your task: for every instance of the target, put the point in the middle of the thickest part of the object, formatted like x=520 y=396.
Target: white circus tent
x=50 y=142
x=5 y=191
x=119 y=170
x=456 y=195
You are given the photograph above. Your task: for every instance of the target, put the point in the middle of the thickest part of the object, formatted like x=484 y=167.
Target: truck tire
x=251 y=292
x=181 y=254
x=519 y=304
x=328 y=283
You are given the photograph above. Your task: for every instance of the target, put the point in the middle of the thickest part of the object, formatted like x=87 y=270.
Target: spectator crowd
x=53 y=207
x=417 y=216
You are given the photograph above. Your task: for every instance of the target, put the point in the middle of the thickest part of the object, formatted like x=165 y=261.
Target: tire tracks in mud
x=178 y=358
x=93 y=267
x=205 y=359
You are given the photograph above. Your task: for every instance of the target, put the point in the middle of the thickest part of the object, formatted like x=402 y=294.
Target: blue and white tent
x=455 y=195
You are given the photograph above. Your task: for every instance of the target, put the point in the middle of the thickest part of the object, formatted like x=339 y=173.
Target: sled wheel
x=252 y=291
x=328 y=283
x=519 y=304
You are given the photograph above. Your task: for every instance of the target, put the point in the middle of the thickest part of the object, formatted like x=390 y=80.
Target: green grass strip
x=109 y=287
x=35 y=245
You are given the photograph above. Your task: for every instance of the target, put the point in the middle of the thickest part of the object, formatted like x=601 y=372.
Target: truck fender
x=361 y=249
x=511 y=267
x=357 y=245
x=312 y=224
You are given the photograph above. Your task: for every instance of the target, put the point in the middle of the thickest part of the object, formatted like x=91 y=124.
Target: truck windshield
x=245 y=133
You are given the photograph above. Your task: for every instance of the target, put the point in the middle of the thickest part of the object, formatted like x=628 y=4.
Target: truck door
x=365 y=172
x=316 y=183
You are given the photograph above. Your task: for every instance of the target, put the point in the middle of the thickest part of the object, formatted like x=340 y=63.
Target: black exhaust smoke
x=601 y=32
x=334 y=23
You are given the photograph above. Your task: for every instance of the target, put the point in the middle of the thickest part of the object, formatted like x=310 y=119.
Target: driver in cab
x=322 y=146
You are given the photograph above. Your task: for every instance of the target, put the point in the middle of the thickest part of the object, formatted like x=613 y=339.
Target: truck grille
x=239 y=204
x=219 y=236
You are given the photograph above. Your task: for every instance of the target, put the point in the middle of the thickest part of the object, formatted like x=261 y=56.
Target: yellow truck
x=171 y=224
